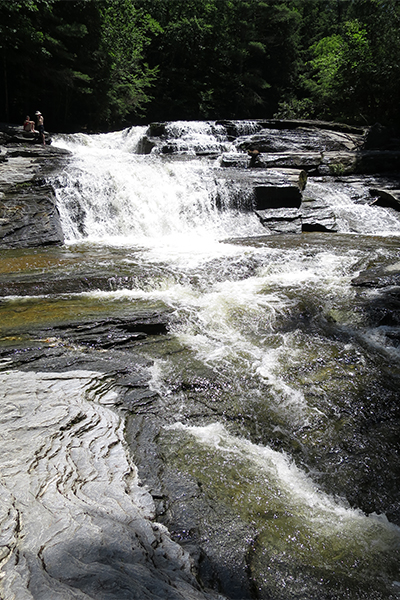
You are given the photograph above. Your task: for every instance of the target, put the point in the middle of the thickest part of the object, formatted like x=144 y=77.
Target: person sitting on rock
x=28 y=124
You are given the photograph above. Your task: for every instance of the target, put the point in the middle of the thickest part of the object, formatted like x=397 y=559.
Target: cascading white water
x=239 y=311
x=112 y=195
x=351 y=215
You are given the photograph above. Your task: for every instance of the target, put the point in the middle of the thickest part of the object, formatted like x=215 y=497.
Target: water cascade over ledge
x=193 y=407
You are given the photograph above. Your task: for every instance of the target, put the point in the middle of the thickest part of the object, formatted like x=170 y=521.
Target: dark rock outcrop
x=281 y=220
x=379 y=137
x=388 y=198
x=383 y=308
x=264 y=162
x=15 y=134
x=29 y=217
x=272 y=146
x=115 y=332
x=28 y=211
x=379 y=277
x=316 y=215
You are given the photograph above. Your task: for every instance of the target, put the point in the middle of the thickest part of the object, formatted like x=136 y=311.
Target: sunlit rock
x=74 y=520
x=29 y=217
x=316 y=215
x=280 y=220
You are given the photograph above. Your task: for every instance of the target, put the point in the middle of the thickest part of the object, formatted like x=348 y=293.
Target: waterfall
x=111 y=193
x=267 y=445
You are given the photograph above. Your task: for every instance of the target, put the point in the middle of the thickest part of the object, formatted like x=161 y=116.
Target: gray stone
x=317 y=216
x=29 y=217
x=28 y=213
x=281 y=220
x=301 y=140
x=379 y=278
x=74 y=520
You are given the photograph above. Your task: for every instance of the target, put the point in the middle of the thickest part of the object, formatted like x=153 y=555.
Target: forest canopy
x=103 y=64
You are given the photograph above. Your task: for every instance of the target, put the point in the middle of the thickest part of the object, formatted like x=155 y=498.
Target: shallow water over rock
x=200 y=408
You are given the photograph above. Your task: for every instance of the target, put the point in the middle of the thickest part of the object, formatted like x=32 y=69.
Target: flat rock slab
x=74 y=520
x=28 y=213
x=316 y=215
x=379 y=278
x=114 y=332
x=39 y=284
x=281 y=220
x=302 y=139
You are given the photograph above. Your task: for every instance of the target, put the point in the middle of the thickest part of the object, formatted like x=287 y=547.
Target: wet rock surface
x=316 y=215
x=104 y=528
x=29 y=217
x=86 y=530
x=274 y=178
x=90 y=526
x=268 y=147
x=28 y=212
x=174 y=542
x=214 y=535
x=390 y=198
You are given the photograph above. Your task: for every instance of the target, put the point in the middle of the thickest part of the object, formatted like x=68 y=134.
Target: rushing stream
x=277 y=393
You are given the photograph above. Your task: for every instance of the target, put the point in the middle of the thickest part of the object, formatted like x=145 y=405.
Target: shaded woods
x=98 y=65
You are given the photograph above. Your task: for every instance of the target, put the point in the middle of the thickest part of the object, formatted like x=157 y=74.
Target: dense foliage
x=106 y=63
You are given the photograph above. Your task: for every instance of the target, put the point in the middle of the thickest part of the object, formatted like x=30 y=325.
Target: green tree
x=221 y=58
x=350 y=65
x=340 y=73
x=79 y=61
x=40 y=50
x=122 y=75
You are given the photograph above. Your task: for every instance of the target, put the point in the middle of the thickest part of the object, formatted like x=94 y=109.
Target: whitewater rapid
x=264 y=391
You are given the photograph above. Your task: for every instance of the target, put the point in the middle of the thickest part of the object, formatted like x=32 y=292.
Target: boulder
x=316 y=215
x=281 y=220
x=312 y=215
x=281 y=189
x=261 y=188
x=237 y=128
x=386 y=198
x=379 y=277
x=379 y=137
x=28 y=213
x=15 y=134
x=300 y=140
x=29 y=217
x=115 y=332
x=305 y=161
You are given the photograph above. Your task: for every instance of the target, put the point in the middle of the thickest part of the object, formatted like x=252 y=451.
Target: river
x=276 y=388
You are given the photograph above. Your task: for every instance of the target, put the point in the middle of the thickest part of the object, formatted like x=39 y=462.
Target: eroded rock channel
x=192 y=405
